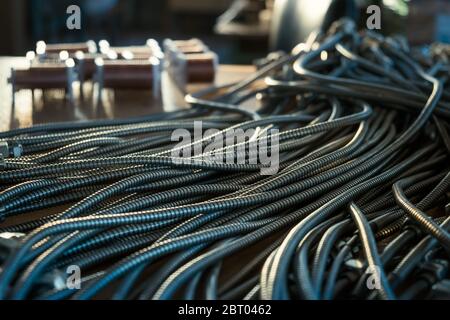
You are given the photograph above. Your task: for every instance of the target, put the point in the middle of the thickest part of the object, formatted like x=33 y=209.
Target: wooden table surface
x=51 y=106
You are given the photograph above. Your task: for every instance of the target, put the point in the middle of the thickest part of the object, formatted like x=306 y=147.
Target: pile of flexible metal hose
x=358 y=208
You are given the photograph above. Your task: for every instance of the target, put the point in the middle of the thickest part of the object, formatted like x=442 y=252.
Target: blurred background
x=238 y=30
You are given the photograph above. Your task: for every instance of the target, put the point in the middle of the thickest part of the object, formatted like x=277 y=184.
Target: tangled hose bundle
x=357 y=209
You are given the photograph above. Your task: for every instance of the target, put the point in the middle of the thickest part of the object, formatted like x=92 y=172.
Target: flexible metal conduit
x=355 y=209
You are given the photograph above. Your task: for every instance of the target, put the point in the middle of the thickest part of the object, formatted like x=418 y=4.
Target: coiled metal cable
x=361 y=122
